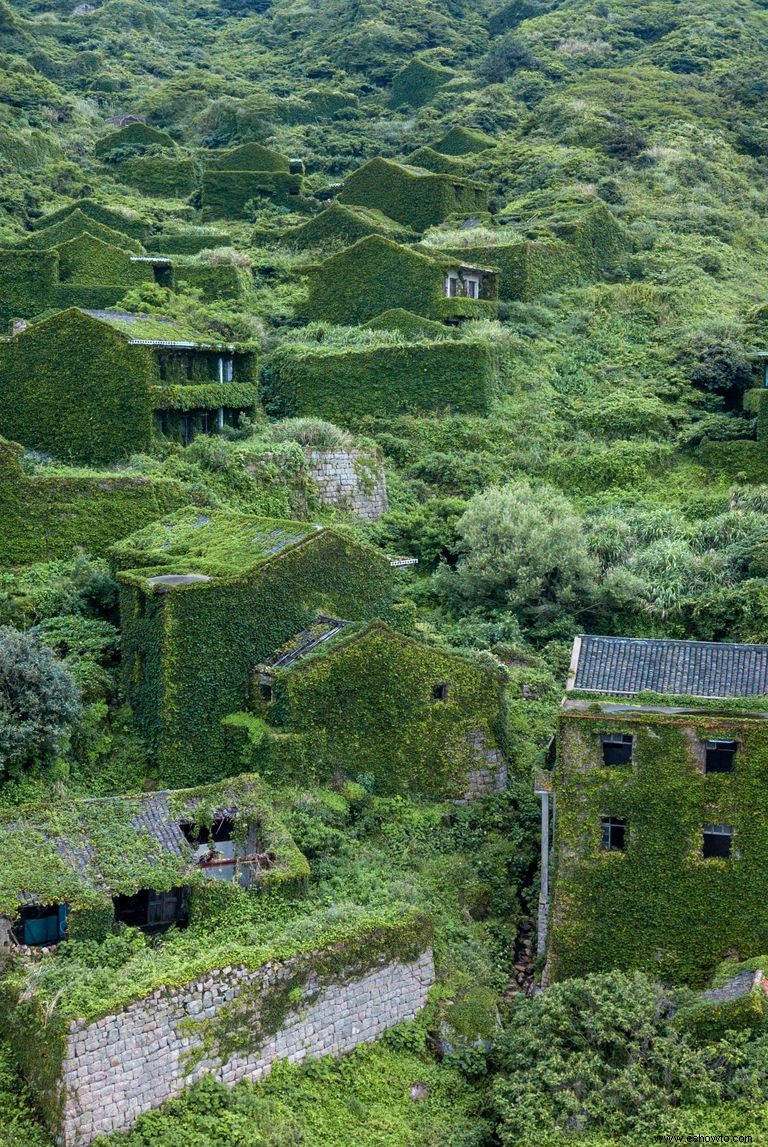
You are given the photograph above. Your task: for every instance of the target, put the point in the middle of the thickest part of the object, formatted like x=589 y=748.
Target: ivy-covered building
x=76 y=870
x=413 y=196
x=375 y=275
x=205 y=598
x=97 y=385
x=660 y=790
x=232 y=177
x=347 y=384
x=373 y=704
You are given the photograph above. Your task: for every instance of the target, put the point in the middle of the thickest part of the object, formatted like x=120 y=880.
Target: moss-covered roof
x=155 y=329
x=83 y=852
x=216 y=543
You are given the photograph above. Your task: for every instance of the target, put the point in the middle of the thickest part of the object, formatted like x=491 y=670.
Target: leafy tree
x=525 y=549
x=597 y=1053
x=39 y=701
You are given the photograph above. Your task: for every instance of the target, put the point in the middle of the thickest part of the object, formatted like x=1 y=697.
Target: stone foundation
x=490 y=774
x=351 y=480
x=120 y=1066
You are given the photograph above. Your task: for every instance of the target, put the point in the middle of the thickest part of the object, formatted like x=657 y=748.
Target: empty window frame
x=472 y=286
x=440 y=691
x=614 y=834
x=451 y=285
x=719 y=756
x=617 y=748
x=265 y=691
x=717 y=841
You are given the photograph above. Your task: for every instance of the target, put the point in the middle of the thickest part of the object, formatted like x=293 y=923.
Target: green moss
x=181 y=240
x=417 y=83
x=411 y=325
x=50 y=517
x=416 y=198
x=432 y=160
x=659 y=906
x=28 y=281
x=88 y=261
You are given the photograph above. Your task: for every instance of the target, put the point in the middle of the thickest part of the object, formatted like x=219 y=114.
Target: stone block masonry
x=122 y=1065
x=351 y=480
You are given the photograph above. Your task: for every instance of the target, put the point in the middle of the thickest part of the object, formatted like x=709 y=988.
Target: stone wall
x=350 y=479
x=490 y=774
x=124 y=1064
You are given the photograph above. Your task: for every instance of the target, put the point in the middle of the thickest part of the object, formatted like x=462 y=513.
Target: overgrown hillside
x=587 y=452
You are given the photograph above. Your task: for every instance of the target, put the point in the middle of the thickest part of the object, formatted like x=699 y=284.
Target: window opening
x=265 y=691
x=719 y=756
x=617 y=748
x=614 y=834
x=440 y=691
x=718 y=840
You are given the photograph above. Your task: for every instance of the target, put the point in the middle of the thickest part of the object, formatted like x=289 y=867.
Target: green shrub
x=134 y=137
x=247 y=157
x=463 y=141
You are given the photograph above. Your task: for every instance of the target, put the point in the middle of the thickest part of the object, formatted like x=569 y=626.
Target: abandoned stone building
x=376 y=275
x=371 y=702
x=206 y=597
x=660 y=794
x=95 y=386
x=62 y=876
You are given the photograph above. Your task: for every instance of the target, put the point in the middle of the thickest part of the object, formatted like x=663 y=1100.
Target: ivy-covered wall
x=369 y=701
x=658 y=905
x=376 y=275
x=188 y=653
x=433 y=160
x=215 y=280
x=416 y=83
x=463 y=141
x=180 y=240
x=127 y=222
x=247 y=157
x=527 y=268
x=345 y=385
x=87 y=261
x=417 y=199
x=78 y=223
x=47 y=517
x=135 y=136
x=342 y=225
x=165 y=176
x=27 y=283
x=226 y=193
x=74 y=388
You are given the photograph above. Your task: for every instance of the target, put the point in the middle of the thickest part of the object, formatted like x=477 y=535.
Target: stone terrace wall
x=350 y=479
x=122 y=1065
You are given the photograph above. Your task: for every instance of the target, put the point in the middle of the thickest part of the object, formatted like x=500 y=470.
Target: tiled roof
x=322 y=629
x=626 y=665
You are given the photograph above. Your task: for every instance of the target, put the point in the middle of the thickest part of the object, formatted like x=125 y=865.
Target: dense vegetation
x=599 y=462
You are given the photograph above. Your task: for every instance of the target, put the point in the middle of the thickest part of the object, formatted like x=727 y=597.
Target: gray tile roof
x=628 y=665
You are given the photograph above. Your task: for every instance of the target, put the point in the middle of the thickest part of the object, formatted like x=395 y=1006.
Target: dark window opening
x=265 y=691
x=614 y=834
x=186 y=429
x=163 y=274
x=440 y=692
x=150 y=910
x=39 y=925
x=162 y=367
x=617 y=748
x=719 y=756
x=222 y=829
x=718 y=840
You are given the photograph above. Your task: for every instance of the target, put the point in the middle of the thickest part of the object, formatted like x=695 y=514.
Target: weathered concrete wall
x=351 y=480
x=125 y=1064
